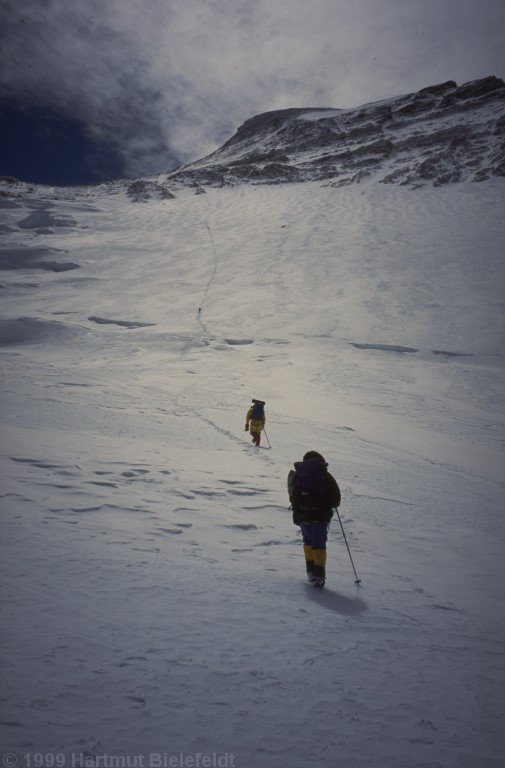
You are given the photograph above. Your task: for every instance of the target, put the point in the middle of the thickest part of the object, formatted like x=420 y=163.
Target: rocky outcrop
x=442 y=134
x=142 y=190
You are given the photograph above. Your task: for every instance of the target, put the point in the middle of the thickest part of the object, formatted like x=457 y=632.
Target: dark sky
x=40 y=145
x=94 y=89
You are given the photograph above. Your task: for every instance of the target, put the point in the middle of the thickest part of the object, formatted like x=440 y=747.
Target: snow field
x=154 y=586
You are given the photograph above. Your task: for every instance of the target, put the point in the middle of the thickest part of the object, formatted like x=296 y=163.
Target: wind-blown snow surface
x=154 y=596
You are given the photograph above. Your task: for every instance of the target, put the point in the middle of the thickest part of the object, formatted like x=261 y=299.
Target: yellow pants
x=255 y=428
x=316 y=556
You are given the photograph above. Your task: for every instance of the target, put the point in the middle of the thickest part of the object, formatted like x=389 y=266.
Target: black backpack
x=258 y=410
x=307 y=489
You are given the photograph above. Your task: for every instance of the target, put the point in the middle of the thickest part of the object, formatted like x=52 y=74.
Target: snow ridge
x=442 y=134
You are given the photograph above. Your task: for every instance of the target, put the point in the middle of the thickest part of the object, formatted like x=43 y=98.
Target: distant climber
x=255 y=420
x=313 y=494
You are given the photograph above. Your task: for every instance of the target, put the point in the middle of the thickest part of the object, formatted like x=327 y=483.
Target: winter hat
x=315 y=455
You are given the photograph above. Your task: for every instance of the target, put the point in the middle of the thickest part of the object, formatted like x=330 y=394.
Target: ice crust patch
x=26 y=330
x=121 y=323
x=387 y=348
x=43 y=219
x=34 y=257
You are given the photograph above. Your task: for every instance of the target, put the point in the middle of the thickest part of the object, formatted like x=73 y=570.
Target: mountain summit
x=441 y=134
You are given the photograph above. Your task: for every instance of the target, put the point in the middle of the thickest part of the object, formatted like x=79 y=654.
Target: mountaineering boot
x=319 y=568
x=309 y=562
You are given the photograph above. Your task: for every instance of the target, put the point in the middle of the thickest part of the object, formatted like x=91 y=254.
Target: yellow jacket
x=258 y=423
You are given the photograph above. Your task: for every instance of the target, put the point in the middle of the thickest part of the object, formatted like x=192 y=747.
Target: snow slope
x=154 y=600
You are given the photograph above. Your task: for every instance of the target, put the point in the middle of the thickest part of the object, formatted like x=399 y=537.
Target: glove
x=246 y=428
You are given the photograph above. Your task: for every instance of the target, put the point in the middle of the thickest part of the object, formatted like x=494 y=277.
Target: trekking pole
x=268 y=441
x=358 y=581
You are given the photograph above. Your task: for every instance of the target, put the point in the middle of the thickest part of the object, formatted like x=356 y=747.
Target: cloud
x=86 y=66
x=169 y=80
